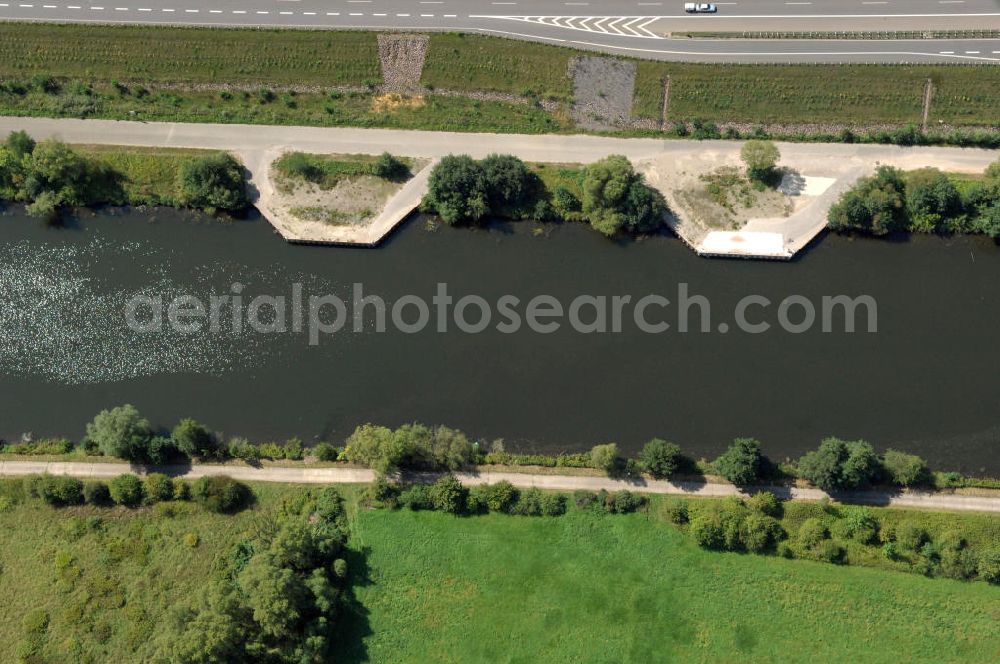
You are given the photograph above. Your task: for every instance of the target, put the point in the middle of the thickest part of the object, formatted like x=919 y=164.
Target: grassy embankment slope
x=578 y=588
x=175 y=74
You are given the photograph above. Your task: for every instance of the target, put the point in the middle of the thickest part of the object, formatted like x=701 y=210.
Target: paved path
x=637 y=27
x=934 y=501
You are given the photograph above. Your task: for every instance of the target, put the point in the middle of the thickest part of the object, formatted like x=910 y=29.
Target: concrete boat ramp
x=822 y=171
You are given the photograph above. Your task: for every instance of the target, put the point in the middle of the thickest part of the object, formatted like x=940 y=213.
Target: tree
x=615 y=198
x=605 y=457
x=905 y=469
x=838 y=464
x=126 y=490
x=375 y=447
x=931 y=198
x=194 y=439
x=448 y=495
x=760 y=157
x=457 y=190
x=121 y=432
x=451 y=449
x=214 y=182
x=874 y=205
x=55 y=174
x=508 y=181
x=741 y=462
x=660 y=458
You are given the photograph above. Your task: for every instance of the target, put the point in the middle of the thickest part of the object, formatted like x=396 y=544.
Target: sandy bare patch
x=394 y=101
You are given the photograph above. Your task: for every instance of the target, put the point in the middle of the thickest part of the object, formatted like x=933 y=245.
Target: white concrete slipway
x=842 y=163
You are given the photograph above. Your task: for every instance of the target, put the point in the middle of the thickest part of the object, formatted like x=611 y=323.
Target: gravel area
x=402 y=57
x=602 y=90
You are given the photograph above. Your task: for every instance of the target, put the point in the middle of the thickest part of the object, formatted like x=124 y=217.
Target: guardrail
x=848 y=34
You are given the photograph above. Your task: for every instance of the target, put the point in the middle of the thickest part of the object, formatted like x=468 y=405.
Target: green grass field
x=439 y=588
x=467 y=62
x=175 y=74
x=584 y=588
x=849 y=94
x=189 y=55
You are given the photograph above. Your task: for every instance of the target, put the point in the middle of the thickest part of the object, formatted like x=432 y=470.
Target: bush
x=708 y=532
x=158 y=487
x=905 y=469
x=59 y=490
x=213 y=183
x=553 y=504
x=529 y=503
x=97 y=493
x=584 y=499
x=416 y=497
x=292 y=449
x=860 y=524
x=676 y=510
x=121 y=432
x=501 y=497
x=241 y=448
x=831 y=552
x=811 y=533
x=759 y=532
x=448 y=495
x=988 y=566
x=389 y=167
x=623 y=502
x=605 y=457
x=222 y=494
x=182 y=490
x=741 y=463
x=764 y=502
x=126 y=490
x=910 y=535
x=325 y=452
x=660 y=458
x=381 y=493
x=194 y=439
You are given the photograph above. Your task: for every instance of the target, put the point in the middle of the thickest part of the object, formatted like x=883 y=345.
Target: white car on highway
x=700 y=8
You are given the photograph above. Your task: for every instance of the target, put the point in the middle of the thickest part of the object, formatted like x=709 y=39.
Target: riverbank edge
x=523 y=478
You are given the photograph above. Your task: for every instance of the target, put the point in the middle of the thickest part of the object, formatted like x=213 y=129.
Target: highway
x=643 y=28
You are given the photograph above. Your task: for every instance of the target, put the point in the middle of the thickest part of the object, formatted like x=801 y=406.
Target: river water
x=926 y=381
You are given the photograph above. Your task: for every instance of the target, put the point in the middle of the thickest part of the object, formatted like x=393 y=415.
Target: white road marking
x=627 y=26
x=263 y=12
